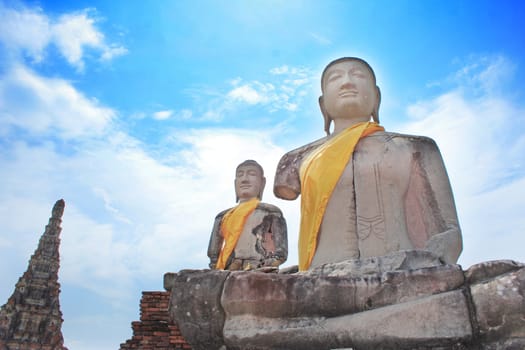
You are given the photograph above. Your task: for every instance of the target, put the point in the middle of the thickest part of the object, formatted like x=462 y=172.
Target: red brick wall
x=154 y=330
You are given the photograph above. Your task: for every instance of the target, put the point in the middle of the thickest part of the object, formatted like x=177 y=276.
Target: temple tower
x=31 y=319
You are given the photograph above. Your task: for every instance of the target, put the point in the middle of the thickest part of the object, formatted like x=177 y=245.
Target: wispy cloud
x=282 y=90
x=163 y=115
x=179 y=115
x=252 y=93
x=280 y=70
x=320 y=39
x=50 y=106
x=26 y=30
x=29 y=31
x=485 y=74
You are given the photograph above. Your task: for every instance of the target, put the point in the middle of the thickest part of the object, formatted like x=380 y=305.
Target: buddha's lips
x=348 y=93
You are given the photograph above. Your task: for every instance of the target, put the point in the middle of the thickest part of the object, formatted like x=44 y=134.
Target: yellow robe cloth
x=231 y=228
x=319 y=174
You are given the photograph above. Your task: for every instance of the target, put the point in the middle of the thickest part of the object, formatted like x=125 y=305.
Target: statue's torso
x=365 y=216
x=263 y=237
x=251 y=239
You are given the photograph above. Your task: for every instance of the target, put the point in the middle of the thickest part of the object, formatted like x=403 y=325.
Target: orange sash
x=231 y=228
x=319 y=174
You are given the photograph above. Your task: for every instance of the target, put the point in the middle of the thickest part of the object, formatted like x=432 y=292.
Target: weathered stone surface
x=435 y=320
x=509 y=344
x=275 y=295
x=31 y=318
x=195 y=306
x=426 y=308
x=400 y=260
x=490 y=269
x=169 y=280
x=500 y=306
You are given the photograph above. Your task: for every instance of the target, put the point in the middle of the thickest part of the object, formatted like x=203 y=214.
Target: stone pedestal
x=406 y=300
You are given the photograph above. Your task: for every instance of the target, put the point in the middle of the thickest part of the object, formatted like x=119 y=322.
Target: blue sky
x=136 y=113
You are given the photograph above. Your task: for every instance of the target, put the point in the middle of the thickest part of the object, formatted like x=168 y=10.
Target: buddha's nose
x=347 y=84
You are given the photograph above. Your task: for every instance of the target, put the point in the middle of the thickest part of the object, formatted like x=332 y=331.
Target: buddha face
x=349 y=91
x=249 y=182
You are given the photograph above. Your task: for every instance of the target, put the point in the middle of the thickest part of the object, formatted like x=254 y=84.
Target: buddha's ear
x=263 y=184
x=326 y=117
x=236 y=194
x=375 y=112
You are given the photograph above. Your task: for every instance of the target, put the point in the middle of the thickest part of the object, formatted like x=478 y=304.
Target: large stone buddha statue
x=252 y=234
x=366 y=192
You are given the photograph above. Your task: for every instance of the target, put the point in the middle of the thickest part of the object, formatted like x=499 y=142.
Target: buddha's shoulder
x=222 y=213
x=270 y=208
x=293 y=158
x=401 y=139
x=305 y=148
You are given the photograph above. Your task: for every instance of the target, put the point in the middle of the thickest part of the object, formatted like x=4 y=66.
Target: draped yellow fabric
x=231 y=228
x=319 y=174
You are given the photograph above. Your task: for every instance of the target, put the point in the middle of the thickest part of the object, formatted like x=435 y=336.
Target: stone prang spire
x=31 y=319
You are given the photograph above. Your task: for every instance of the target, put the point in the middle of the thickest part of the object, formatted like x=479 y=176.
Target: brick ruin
x=31 y=319
x=154 y=331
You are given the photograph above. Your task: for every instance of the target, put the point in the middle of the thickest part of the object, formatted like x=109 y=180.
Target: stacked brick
x=154 y=331
x=31 y=319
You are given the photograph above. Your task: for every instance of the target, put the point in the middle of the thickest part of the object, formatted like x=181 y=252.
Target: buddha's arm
x=439 y=210
x=280 y=237
x=287 y=184
x=216 y=239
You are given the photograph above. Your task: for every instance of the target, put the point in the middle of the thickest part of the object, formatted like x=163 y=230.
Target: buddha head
x=349 y=91
x=249 y=181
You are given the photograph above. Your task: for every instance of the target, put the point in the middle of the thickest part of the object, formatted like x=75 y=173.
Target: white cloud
x=31 y=31
x=93 y=256
x=48 y=106
x=282 y=90
x=285 y=93
x=113 y=51
x=163 y=115
x=280 y=70
x=248 y=94
x=493 y=224
x=72 y=33
x=485 y=74
x=26 y=30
